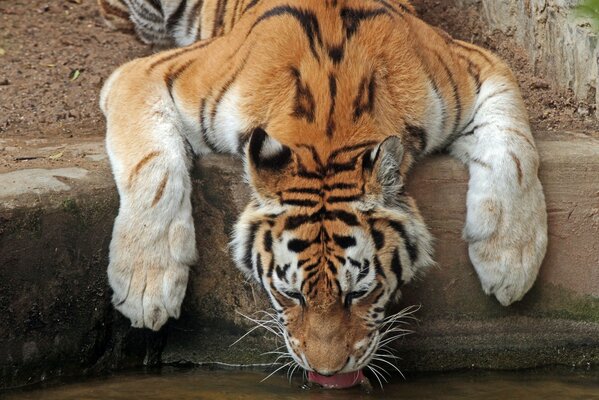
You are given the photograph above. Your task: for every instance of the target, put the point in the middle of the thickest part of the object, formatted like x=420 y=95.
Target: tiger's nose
x=324 y=372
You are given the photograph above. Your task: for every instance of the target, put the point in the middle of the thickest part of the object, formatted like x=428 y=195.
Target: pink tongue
x=339 y=381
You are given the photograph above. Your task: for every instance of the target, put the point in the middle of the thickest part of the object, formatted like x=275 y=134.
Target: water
x=211 y=385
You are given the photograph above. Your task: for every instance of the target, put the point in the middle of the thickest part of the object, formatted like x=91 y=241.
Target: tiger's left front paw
x=507 y=235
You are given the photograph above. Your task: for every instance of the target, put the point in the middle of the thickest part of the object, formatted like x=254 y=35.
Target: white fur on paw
x=149 y=284
x=507 y=235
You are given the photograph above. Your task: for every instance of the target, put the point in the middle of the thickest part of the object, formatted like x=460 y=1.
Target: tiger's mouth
x=338 y=381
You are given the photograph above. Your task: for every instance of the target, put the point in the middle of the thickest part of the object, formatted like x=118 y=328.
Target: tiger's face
x=331 y=241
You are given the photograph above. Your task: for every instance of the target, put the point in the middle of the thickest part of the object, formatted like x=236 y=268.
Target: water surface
x=199 y=384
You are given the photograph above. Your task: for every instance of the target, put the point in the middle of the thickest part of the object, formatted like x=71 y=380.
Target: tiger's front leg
x=506 y=222
x=153 y=242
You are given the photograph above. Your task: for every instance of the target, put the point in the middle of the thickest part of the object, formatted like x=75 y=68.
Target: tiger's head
x=331 y=238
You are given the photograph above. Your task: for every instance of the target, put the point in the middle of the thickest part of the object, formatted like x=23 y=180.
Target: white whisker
x=245 y=335
x=391 y=339
x=276 y=370
x=376 y=375
x=391 y=364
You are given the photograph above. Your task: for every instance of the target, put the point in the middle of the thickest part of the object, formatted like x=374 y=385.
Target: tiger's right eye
x=297 y=296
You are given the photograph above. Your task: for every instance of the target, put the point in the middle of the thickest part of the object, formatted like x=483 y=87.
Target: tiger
x=329 y=103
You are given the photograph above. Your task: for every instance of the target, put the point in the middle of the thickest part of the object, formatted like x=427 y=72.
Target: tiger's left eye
x=351 y=296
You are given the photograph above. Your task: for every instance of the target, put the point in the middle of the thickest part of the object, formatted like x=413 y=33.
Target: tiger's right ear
x=265 y=152
x=382 y=164
x=266 y=161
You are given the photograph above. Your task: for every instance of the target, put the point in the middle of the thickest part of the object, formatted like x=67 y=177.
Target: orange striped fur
x=330 y=102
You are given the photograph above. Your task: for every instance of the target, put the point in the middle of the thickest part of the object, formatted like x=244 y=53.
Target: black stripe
x=482 y=103
x=344 y=216
x=304 y=190
x=344 y=242
x=307 y=20
x=179 y=52
x=223 y=90
x=305 y=105
x=339 y=186
x=140 y=15
x=378 y=267
x=441 y=98
x=176 y=16
x=353 y=17
x=312 y=266
x=378 y=297
x=343 y=199
x=399 y=228
x=259 y=268
x=333 y=93
x=218 y=27
x=473 y=71
x=271 y=268
x=300 y=202
x=268 y=241
x=193 y=15
x=152 y=14
x=247 y=258
x=336 y=53
x=249 y=6
x=309 y=174
x=396 y=267
x=336 y=168
x=311 y=286
x=354 y=262
x=282 y=272
x=364 y=270
x=313 y=153
x=235 y=12
x=377 y=237
x=203 y=130
x=172 y=76
x=157 y=6
x=298 y=245
x=308 y=277
x=475 y=50
x=389 y=7
x=296 y=221
x=364 y=101
x=302 y=262
x=418 y=134
x=456 y=93
x=350 y=148
x=332 y=267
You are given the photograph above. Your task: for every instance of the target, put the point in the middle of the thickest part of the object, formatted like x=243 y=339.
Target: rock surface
x=562 y=47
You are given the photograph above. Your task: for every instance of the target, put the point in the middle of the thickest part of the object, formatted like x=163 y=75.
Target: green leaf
x=74 y=74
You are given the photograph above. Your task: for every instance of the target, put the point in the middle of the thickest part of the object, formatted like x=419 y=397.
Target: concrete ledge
x=55 y=316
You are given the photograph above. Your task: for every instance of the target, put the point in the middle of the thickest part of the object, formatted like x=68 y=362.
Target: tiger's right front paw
x=149 y=277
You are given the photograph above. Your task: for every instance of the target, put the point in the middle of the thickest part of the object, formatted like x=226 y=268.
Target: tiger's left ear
x=383 y=164
x=267 y=159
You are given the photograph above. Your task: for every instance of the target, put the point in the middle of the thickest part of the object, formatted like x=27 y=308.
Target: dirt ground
x=55 y=55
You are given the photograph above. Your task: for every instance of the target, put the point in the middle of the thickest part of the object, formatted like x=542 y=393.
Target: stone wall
x=56 y=318
x=562 y=47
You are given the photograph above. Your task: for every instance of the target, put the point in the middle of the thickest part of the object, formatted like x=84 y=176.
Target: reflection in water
x=200 y=384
